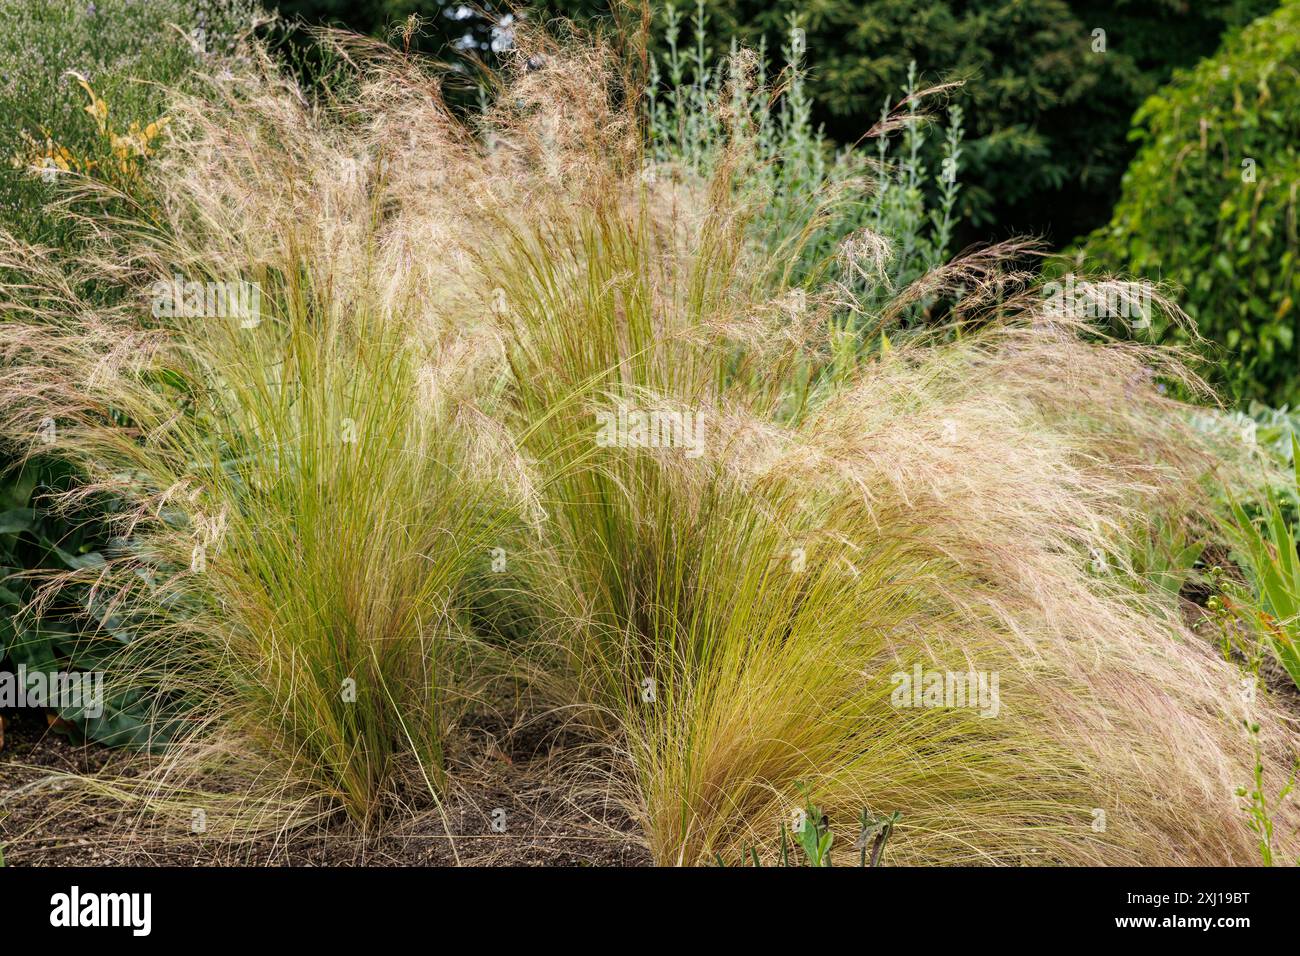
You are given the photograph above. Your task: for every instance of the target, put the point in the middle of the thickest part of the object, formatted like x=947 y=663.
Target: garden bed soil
x=545 y=823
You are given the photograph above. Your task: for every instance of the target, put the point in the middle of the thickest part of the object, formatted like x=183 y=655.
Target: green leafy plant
x=83 y=90
x=78 y=630
x=1209 y=204
x=814 y=834
x=1164 y=556
x=130 y=52
x=1270 y=428
x=1267 y=550
x=814 y=837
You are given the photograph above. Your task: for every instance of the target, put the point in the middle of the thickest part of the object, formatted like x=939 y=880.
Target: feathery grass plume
x=730 y=549
x=279 y=407
x=739 y=583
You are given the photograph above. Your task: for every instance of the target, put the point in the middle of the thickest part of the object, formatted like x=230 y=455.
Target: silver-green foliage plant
x=808 y=195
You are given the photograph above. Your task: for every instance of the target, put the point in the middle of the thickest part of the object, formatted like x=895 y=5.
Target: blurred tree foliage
x=1047 y=116
x=1048 y=106
x=1210 y=203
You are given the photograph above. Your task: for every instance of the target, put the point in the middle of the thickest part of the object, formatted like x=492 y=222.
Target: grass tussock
x=451 y=313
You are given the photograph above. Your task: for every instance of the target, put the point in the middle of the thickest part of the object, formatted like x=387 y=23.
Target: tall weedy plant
x=806 y=195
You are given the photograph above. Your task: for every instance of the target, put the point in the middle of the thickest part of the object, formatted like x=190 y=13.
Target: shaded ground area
x=507 y=782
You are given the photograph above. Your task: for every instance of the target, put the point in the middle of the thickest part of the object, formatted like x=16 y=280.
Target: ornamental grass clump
x=277 y=411
x=761 y=561
x=510 y=407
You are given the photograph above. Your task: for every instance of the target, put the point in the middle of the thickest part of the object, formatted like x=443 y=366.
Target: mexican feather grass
x=456 y=316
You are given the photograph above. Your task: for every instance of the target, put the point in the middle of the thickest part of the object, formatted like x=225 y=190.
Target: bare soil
x=505 y=780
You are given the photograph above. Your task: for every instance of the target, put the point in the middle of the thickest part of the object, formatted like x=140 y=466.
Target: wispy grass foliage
x=299 y=490
x=729 y=610
x=737 y=619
